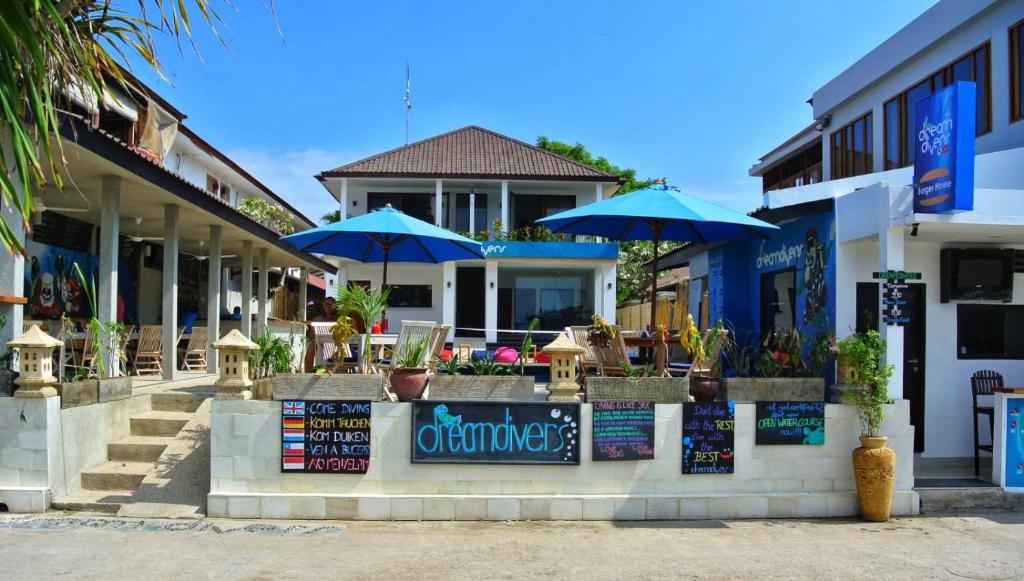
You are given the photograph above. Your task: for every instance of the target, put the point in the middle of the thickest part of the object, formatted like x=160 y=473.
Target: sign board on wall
x=475 y=432
x=792 y=423
x=708 y=435
x=944 y=155
x=896 y=300
x=623 y=430
x=325 y=436
x=1013 y=444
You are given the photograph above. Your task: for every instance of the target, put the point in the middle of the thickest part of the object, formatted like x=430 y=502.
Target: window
x=900 y=110
x=852 y=149
x=419 y=206
x=799 y=169
x=462 y=212
x=1016 y=72
x=218 y=189
x=527 y=209
x=989 y=331
x=411 y=296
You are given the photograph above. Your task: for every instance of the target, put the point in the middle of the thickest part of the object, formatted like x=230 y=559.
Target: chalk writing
x=623 y=430
x=708 y=436
x=325 y=436
x=790 y=423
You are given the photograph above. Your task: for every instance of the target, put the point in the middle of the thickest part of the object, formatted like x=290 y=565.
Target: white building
x=854 y=162
x=473 y=180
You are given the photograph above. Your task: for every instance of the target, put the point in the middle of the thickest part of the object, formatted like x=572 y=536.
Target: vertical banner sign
x=944 y=150
x=479 y=432
x=325 y=436
x=708 y=435
x=790 y=423
x=896 y=307
x=623 y=430
x=1013 y=444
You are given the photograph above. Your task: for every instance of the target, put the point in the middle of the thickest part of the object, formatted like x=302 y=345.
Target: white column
x=245 y=325
x=597 y=292
x=213 y=292
x=343 y=199
x=225 y=285
x=448 y=294
x=608 y=290
x=303 y=292
x=12 y=278
x=472 y=213
x=598 y=193
x=505 y=206
x=890 y=257
x=491 y=301
x=170 y=293
x=110 y=226
x=438 y=195
x=264 y=290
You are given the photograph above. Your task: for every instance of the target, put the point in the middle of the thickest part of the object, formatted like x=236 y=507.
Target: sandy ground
x=82 y=547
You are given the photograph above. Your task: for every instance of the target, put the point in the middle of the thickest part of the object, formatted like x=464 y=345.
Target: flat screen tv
x=976 y=274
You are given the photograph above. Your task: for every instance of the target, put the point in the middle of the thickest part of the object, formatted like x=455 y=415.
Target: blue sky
x=693 y=91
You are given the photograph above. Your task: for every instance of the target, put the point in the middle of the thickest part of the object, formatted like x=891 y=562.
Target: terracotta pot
x=704 y=388
x=408 y=383
x=874 y=470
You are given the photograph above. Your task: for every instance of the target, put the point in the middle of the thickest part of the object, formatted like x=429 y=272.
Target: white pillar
x=598 y=193
x=438 y=195
x=264 y=290
x=225 y=285
x=245 y=325
x=505 y=206
x=448 y=294
x=343 y=199
x=12 y=278
x=491 y=301
x=472 y=213
x=303 y=293
x=890 y=257
x=608 y=290
x=170 y=294
x=110 y=226
x=213 y=293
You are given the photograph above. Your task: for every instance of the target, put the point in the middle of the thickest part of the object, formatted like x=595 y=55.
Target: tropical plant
x=273 y=356
x=705 y=350
x=51 y=47
x=863 y=352
x=527 y=344
x=412 y=356
x=273 y=216
x=451 y=366
x=343 y=330
x=107 y=338
x=369 y=304
x=486 y=366
x=331 y=217
x=600 y=331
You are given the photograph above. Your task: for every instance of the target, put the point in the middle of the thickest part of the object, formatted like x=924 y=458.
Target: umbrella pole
x=654 y=279
x=384 y=285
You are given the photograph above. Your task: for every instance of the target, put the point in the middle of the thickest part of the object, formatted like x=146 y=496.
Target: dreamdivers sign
x=944 y=157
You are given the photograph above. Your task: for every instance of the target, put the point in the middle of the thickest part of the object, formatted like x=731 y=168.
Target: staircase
x=105 y=488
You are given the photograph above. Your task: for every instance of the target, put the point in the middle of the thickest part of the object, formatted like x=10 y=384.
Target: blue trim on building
x=577 y=250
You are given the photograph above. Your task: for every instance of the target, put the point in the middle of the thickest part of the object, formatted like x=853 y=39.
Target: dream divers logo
x=935 y=138
x=786 y=255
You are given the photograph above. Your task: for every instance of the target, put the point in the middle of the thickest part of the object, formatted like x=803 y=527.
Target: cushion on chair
x=506 y=355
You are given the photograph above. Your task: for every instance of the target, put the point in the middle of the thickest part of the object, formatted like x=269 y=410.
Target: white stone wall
x=29 y=458
x=776 y=481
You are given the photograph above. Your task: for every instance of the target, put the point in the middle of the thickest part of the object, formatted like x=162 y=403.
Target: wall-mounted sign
x=1013 y=444
x=793 y=423
x=896 y=301
x=944 y=155
x=708 y=434
x=473 y=432
x=597 y=251
x=325 y=436
x=623 y=430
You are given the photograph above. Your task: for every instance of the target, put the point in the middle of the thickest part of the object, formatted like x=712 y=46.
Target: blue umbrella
x=657 y=213
x=386 y=235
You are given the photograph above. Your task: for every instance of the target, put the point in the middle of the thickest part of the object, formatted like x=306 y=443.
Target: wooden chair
x=614 y=361
x=982 y=383
x=435 y=344
x=194 y=358
x=149 y=352
x=87 y=362
x=66 y=358
x=412 y=332
x=588 y=361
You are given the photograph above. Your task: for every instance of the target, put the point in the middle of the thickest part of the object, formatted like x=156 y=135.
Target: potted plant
x=705 y=360
x=408 y=376
x=790 y=367
x=600 y=332
x=874 y=464
x=368 y=304
x=480 y=379
x=274 y=355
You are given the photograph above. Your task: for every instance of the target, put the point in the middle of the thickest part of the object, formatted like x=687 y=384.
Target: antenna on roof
x=408 y=102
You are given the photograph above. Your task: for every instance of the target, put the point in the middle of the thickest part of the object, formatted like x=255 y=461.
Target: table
x=652 y=350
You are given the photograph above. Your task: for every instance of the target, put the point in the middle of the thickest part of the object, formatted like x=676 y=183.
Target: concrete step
x=105 y=501
x=138 y=449
x=941 y=500
x=159 y=423
x=177 y=402
x=116 y=476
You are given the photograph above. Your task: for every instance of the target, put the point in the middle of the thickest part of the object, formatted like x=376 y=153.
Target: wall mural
x=51 y=285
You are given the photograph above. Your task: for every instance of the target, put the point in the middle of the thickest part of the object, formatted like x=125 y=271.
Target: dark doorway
x=913 y=347
x=469 y=303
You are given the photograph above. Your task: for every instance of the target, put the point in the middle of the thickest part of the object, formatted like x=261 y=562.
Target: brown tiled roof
x=471 y=152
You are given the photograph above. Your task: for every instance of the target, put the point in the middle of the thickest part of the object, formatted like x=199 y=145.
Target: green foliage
x=524 y=348
x=486 y=366
x=412 y=354
x=639 y=371
x=331 y=217
x=579 y=153
x=269 y=215
x=370 y=304
x=451 y=366
x=862 y=354
x=274 y=356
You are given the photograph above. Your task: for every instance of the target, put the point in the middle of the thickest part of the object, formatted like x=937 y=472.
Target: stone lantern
x=562 y=386
x=35 y=363
x=233 y=355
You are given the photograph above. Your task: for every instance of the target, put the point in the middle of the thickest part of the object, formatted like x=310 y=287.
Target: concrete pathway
x=977 y=547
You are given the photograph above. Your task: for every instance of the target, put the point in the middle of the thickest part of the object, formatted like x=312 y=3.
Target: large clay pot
x=703 y=389
x=874 y=470
x=408 y=383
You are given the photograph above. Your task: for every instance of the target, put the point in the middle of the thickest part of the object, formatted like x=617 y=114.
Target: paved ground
x=83 y=547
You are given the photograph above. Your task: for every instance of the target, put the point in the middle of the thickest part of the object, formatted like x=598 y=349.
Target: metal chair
x=195 y=352
x=982 y=383
x=149 y=353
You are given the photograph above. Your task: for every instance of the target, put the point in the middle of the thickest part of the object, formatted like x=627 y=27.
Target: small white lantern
x=35 y=363
x=233 y=354
x=562 y=385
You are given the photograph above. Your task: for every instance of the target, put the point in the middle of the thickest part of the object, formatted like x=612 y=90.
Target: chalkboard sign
x=473 y=432
x=325 y=436
x=623 y=430
x=793 y=423
x=708 y=435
